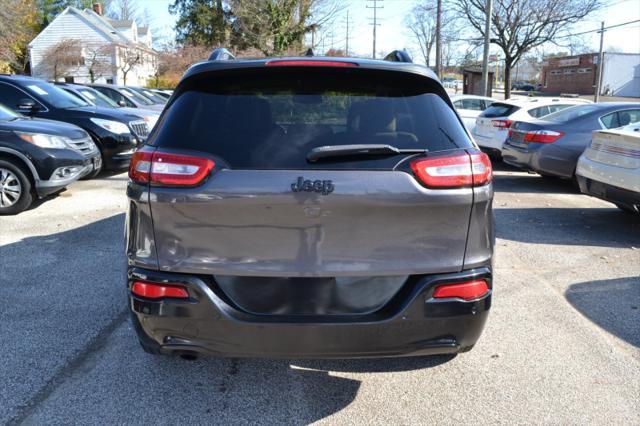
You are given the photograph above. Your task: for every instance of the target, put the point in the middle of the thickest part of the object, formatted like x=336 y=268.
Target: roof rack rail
x=398 y=56
x=221 y=54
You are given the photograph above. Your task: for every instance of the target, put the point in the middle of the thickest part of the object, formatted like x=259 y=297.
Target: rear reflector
x=309 y=63
x=166 y=169
x=453 y=171
x=467 y=291
x=158 y=291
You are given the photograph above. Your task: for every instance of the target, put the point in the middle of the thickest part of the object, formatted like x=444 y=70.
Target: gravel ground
x=562 y=344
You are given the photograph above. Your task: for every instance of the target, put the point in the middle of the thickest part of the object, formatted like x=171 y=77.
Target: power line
x=375 y=24
x=599 y=29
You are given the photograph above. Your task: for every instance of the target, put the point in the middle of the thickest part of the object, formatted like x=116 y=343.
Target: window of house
x=584 y=70
x=556 y=72
x=570 y=71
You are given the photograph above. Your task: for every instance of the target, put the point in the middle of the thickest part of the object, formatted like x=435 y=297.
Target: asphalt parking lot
x=562 y=344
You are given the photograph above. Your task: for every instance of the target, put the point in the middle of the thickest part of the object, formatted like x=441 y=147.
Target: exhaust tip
x=189 y=356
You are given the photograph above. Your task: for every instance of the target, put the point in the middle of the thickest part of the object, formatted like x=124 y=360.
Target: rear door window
x=473 y=104
x=611 y=121
x=499 y=110
x=539 y=111
x=274 y=120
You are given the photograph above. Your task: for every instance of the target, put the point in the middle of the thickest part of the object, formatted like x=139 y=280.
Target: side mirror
x=122 y=103
x=28 y=105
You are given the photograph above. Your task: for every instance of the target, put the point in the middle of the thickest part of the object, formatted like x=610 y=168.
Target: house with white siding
x=83 y=46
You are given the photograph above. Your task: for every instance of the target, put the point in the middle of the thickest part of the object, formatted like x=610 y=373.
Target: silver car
x=551 y=146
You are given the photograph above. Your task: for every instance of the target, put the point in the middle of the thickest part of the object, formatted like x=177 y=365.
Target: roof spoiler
x=221 y=54
x=399 y=56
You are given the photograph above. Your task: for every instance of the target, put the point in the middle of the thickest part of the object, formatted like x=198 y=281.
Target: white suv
x=492 y=125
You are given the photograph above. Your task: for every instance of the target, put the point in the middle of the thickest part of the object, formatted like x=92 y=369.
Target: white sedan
x=610 y=167
x=469 y=107
x=492 y=125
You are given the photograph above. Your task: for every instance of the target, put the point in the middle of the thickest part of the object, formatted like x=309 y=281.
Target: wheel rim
x=10 y=188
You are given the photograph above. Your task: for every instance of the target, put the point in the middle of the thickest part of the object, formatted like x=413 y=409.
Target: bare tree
x=519 y=26
x=422 y=24
x=126 y=10
x=128 y=59
x=97 y=59
x=62 y=58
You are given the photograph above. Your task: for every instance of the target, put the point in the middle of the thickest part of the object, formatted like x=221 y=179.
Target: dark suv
x=116 y=133
x=309 y=207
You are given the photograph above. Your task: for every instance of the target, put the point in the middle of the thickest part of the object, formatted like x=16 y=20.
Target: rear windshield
x=274 y=120
x=499 y=110
x=571 y=113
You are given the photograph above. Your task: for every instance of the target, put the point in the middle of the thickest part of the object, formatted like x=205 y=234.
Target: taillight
x=501 y=124
x=467 y=290
x=453 y=171
x=542 y=136
x=151 y=290
x=309 y=63
x=167 y=169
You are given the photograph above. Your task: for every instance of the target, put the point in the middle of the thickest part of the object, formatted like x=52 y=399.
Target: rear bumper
x=412 y=323
x=494 y=142
x=610 y=193
x=547 y=159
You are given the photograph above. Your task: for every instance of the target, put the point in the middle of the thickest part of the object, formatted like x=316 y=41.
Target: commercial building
x=578 y=74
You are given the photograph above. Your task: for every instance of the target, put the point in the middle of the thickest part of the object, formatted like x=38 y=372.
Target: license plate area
x=310 y=296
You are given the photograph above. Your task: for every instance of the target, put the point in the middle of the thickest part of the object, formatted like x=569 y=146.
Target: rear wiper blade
x=360 y=149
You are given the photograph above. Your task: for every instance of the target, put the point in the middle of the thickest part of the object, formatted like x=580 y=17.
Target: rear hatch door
x=267 y=210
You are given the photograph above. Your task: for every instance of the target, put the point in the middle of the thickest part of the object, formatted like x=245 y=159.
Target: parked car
x=96 y=98
x=164 y=94
x=154 y=97
x=552 y=146
x=492 y=125
x=523 y=86
x=610 y=167
x=116 y=133
x=125 y=97
x=302 y=231
x=39 y=158
x=469 y=107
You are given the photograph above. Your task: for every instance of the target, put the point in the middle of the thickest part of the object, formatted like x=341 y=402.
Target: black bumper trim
x=415 y=324
x=607 y=192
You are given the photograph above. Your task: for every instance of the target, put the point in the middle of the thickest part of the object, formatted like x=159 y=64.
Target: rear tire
x=16 y=193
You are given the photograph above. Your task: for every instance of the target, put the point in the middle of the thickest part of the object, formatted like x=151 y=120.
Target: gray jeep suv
x=309 y=207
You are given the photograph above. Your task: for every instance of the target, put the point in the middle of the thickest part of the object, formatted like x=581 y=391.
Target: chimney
x=97 y=8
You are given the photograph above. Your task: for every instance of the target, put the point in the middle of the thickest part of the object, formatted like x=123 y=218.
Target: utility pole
x=375 y=24
x=346 y=47
x=439 y=38
x=596 y=97
x=487 y=46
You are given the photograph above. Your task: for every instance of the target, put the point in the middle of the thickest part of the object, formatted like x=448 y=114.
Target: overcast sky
x=393 y=35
